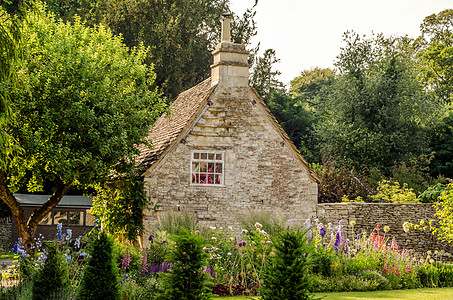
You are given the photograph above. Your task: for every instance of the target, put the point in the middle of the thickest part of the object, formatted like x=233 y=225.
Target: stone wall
x=5 y=233
x=368 y=215
x=261 y=172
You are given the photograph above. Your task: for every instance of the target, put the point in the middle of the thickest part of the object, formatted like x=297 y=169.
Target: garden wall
x=5 y=233
x=368 y=215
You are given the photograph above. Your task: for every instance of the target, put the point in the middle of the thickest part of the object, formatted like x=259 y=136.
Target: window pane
x=218 y=168
x=90 y=219
x=204 y=155
x=211 y=168
x=203 y=167
x=47 y=220
x=211 y=155
x=195 y=167
x=60 y=217
x=210 y=179
x=196 y=155
x=76 y=218
x=218 y=179
x=195 y=178
x=203 y=178
x=218 y=156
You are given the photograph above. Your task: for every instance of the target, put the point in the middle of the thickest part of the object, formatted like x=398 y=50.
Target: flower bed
x=236 y=264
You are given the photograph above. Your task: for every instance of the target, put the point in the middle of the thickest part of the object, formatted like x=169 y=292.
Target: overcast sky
x=308 y=33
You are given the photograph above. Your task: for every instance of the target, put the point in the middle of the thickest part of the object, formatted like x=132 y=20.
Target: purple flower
x=164 y=241
x=151 y=236
x=197 y=232
x=322 y=232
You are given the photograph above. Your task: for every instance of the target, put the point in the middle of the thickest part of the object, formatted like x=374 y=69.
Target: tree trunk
x=26 y=229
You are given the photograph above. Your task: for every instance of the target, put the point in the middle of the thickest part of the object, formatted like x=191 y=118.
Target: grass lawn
x=415 y=294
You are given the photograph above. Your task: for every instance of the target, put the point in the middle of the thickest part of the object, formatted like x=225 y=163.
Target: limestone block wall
x=260 y=170
x=6 y=233
x=369 y=215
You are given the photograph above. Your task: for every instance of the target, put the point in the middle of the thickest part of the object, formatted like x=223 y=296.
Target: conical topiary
x=287 y=275
x=52 y=278
x=187 y=280
x=100 y=277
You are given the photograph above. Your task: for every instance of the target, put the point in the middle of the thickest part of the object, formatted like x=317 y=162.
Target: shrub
x=100 y=278
x=287 y=275
x=187 y=279
x=432 y=193
x=171 y=221
x=339 y=179
x=52 y=278
x=394 y=193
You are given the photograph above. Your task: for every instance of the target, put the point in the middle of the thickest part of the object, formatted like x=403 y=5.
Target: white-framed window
x=206 y=167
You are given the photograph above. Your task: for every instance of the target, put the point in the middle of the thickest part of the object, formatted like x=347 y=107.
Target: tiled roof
x=167 y=129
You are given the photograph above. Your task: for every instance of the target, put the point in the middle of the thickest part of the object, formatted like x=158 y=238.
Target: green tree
x=310 y=82
x=87 y=108
x=375 y=111
x=287 y=274
x=297 y=120
x=441 y=143
x=264 y=76
x=436 y=54
x=116 y=198
x=12 y=14
x=100 y=277
x=187 y=280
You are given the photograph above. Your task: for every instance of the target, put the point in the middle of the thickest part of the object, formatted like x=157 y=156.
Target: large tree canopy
x=436 y=54
x=376 y=111
x=86 y=106
x=181 y=33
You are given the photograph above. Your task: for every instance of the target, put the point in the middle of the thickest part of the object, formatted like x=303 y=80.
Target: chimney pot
x=226 y=35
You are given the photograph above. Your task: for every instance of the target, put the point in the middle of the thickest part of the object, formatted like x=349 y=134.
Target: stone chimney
x=230 y=68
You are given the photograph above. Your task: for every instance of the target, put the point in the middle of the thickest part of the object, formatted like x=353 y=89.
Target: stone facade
x=6 y=233
x=262 y=169
x=368 y=215
x=261 y=172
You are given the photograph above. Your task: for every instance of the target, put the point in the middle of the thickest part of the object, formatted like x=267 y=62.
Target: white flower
x=229 y=253
x=212 y=227
x=245 y=231
x=214 y=239
x=258 y=225
x=406 y=226
x=230 y=228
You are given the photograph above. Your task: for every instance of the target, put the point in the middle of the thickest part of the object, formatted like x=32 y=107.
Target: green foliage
x=297 y=120
x=287 y=275
x=88 y=105
x=433 y=193
x=264 y=77
x=187 y=279
x=120 y=207
x=171 y=222
x=12 y=14
x=310 y=82
x=436 y=275
x=375 y=111
x=442 y=144
x=436 y=55
x=269 y=222
x=100 y=277
x=444 y=212
x=392 y=192
x=52 y=278
x=181 y=34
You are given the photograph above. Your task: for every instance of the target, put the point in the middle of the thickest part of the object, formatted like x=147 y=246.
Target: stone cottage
x=221 y=153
